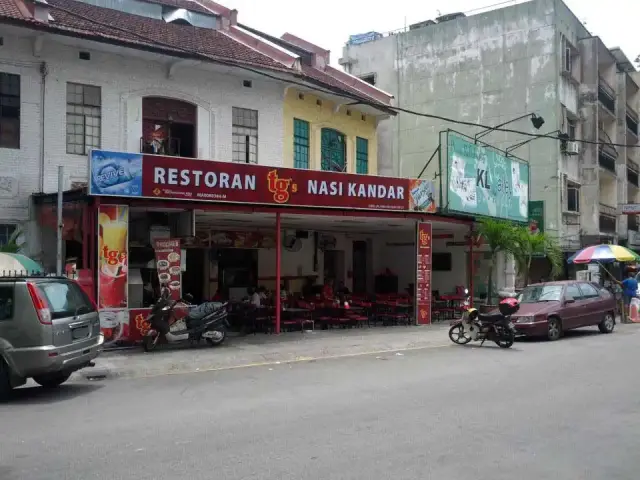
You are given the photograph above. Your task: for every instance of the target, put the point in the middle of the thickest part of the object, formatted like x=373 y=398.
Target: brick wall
x=124 y=80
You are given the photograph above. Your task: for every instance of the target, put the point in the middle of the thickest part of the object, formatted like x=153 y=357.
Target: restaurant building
x=251 y=152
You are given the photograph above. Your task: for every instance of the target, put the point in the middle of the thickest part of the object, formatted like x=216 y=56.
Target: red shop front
x=131 y=191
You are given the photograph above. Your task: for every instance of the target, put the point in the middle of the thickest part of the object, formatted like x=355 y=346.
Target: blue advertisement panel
x=483 y=181
x=115 y=173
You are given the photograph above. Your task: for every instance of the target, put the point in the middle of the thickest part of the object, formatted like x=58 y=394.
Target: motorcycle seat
x=203 y=310
x=490 y=317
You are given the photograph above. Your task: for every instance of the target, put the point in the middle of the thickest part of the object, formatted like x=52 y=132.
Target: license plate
x=80 y=332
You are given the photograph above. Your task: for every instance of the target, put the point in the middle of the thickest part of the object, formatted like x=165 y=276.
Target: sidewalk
x=263 y=349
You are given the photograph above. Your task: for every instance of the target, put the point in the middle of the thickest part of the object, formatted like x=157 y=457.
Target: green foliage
x=518 y=242
x=12 y=246
x=528 y=245
x=499 y=236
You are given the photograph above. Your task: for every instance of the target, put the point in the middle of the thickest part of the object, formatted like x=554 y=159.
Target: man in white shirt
x=255 y=299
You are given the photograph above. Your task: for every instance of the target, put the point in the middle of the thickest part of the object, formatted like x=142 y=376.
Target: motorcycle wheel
x=505 y=339
x=219 y=339
x=149 y=343
x=457 y=335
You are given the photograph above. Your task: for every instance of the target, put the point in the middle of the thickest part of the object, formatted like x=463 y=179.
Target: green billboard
x=483 y=181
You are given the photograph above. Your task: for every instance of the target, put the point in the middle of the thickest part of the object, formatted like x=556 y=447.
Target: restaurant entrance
x=288 y=248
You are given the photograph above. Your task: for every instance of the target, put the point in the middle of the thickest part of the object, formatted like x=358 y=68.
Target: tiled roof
x=9 y=8
x=92 y=22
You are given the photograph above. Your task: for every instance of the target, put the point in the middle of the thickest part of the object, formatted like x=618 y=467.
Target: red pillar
x=278 y=270
x=472 y=264
x=86 y=235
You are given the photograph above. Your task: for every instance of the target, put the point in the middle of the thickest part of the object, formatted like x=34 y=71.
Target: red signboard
x=201 y=180
x=424 y=243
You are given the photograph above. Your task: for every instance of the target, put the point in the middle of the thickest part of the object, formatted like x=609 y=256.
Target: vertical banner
x=168 y=265
x=424 y=242
x=113 y=258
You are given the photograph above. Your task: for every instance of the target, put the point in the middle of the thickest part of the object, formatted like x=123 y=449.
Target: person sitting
x=255 y=298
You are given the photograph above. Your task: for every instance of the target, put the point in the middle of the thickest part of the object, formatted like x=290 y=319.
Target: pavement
x=540 y=410
x=260 y=349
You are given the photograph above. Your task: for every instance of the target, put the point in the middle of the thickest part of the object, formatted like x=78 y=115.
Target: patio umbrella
x=604 y=254
x=17 y=264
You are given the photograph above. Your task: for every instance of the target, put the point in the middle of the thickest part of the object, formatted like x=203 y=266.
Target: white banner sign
x=630 y=208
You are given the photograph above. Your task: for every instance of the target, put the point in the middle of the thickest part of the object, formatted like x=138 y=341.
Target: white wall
x=124 y=81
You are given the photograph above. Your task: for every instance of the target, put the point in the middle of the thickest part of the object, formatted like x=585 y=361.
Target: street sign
x=630 y=208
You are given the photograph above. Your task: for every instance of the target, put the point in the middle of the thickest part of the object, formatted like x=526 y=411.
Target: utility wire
x=331 y=91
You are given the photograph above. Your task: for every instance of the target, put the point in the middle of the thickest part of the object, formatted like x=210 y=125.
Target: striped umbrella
x=604 y=254
x=15 y=264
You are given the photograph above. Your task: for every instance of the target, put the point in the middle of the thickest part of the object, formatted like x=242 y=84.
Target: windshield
x=540 y=293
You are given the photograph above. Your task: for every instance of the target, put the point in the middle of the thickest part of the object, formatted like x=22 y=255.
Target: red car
x=551 y=308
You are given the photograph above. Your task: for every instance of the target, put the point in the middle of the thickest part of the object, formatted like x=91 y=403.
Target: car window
x=66 y=299
x=573 y=291
x=6 y=302
x=588 y=291
x=540 y=293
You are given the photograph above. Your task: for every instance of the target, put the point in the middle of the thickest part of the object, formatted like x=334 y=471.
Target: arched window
x=168 y=127
x=333 y=152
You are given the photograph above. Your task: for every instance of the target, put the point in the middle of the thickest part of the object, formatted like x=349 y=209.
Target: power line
x=331 y=91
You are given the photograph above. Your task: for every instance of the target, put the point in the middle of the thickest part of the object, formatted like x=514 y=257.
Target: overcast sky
x=330 y=22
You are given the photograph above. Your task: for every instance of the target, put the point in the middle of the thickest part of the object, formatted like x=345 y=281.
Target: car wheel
x=5 y=381
x=53 y=380
x=554 y=331
x=607 y=324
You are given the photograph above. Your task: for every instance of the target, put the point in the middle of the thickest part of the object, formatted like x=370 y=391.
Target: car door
x=593 y=305
x=573 y=312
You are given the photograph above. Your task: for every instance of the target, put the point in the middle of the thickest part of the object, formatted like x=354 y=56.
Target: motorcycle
x=207 y=321
x=475 y=326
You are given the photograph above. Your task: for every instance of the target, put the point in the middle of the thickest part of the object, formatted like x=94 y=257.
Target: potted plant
x=529 y=245
x=499 y=236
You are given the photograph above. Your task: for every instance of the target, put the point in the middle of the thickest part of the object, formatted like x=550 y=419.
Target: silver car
x=49 y=328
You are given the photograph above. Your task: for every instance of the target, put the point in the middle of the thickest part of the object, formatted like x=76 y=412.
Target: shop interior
x=231 y=256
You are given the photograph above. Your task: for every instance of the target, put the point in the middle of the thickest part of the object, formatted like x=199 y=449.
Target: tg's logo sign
x=281 y=188
x=425 y=239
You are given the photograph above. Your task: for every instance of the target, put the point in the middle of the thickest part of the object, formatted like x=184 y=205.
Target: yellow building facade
x=315 y=128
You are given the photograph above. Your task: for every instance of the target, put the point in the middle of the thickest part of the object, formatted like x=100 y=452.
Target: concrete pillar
x=588 y=110
x=621 y=138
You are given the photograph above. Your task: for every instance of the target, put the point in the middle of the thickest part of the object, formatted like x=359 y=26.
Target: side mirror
x=569 y=299
x=188 y=297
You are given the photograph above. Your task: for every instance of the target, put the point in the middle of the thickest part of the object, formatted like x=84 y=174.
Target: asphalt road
x=565 y=410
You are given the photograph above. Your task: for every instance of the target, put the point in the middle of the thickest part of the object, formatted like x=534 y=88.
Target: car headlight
x=525 y=320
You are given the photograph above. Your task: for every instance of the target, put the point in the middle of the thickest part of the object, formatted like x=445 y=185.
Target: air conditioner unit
x=572 y=148
x=583 y=276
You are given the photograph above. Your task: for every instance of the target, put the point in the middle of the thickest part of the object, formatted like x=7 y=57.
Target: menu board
x=168 y=265
x=424 y=243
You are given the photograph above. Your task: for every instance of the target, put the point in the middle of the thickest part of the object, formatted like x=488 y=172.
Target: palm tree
x=500 y=238
x=529 y=245
x=12 y=245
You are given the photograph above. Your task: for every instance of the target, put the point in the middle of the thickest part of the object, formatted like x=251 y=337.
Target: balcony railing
x=632 y=120
x=606 y=161
x=608 y=210
x=607 y=218
x=632 y=174
x=607 y=95
x=632 y=222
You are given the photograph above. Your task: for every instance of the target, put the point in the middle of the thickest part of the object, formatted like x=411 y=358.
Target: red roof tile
x=9 y=8
x=111 y=25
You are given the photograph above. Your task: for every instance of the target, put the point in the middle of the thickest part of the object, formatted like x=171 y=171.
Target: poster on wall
x=114 y=325
x=424 y=243
x=168 y=258
x=113 y=262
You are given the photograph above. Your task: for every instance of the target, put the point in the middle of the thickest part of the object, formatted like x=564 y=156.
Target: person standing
x=629 y=290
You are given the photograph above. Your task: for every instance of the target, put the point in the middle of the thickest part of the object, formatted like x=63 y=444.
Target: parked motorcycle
x=207 y=321
x=496 y=327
